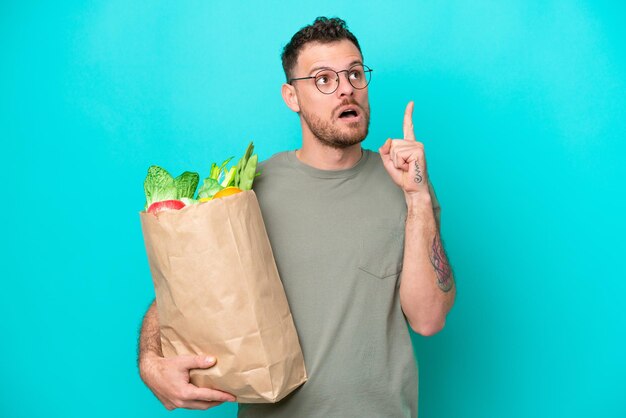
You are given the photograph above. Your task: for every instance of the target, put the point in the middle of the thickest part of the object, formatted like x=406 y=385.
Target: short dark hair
x=323 y=30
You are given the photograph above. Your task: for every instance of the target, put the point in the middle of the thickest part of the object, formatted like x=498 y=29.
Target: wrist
x=418 y=200
x=419 y=205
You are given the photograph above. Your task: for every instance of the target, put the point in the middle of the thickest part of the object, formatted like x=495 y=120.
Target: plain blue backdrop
x=521 y=106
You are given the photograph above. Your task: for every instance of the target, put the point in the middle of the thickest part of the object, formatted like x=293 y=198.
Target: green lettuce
x=159 y=185
x=209 y=188
x=186 y=184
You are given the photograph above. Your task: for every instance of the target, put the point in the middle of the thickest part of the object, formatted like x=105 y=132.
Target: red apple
x=157 y=207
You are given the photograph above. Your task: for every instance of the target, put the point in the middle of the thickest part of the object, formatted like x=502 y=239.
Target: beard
x=334 y=136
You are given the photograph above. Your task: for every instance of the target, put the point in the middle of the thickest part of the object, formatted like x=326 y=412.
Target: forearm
x=150 y=336
x=168 y=377
x=427 y=288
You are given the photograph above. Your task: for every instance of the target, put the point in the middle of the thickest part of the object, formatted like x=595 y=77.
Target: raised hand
x=404 y=159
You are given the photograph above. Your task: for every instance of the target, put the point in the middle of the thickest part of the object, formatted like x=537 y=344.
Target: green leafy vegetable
x=229 y=178
x=223 y=166
x=243 y=179
x=186 y=184
x=247 y=177
x=159 y=185
x=248 y=153
x=237 y=170
x=209 y=188
x=214 y=172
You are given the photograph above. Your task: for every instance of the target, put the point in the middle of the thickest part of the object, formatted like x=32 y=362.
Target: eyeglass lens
x=327 y=81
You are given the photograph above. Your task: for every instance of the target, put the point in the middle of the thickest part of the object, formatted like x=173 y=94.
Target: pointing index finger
x=407 y=127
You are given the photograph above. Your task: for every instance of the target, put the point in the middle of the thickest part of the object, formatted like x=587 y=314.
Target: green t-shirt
x=338 y=240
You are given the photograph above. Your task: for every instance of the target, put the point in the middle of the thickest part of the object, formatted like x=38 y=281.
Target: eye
x=356 y=74
x=323 y=78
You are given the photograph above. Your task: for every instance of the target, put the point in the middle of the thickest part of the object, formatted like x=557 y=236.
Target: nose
x=344 y=88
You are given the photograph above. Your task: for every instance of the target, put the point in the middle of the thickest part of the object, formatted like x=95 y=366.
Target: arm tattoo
x=418 y=175
x=442 y=267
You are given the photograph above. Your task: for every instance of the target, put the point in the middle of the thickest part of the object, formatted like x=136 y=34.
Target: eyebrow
x=325 y=67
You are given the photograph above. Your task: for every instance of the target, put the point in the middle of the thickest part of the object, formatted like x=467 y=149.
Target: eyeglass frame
x=366 y=69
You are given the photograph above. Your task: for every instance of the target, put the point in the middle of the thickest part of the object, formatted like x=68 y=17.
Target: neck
x=327 y=158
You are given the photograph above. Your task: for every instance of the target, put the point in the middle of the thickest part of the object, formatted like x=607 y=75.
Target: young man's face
x=325 y=114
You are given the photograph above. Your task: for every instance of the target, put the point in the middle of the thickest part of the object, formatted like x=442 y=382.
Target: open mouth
x=349 y=114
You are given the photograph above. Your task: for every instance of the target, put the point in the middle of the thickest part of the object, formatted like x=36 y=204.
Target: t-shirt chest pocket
x=382 y=249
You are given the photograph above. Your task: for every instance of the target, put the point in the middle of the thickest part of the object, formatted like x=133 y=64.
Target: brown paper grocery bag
x=218 y=292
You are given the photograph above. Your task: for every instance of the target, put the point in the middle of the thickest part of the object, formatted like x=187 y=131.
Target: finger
x=196 y=362
x=402 y=159
x=384 y=150
x=210 y=395
x=397 y=147
x=409 y=134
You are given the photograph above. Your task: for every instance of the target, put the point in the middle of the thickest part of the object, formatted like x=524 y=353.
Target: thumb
x=384 y=150
x=197 y=362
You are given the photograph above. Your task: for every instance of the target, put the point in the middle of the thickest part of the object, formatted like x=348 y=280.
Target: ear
x=290 y=97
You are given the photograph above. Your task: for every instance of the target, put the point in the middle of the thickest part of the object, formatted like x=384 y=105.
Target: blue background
x=521 y=107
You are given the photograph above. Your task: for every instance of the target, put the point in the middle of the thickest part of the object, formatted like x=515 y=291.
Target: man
x=355 y=236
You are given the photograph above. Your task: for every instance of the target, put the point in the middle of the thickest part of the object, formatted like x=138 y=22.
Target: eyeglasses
x=327 y=80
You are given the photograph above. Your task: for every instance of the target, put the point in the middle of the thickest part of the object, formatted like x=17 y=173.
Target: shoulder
x=271 y=170
x=277 y=160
